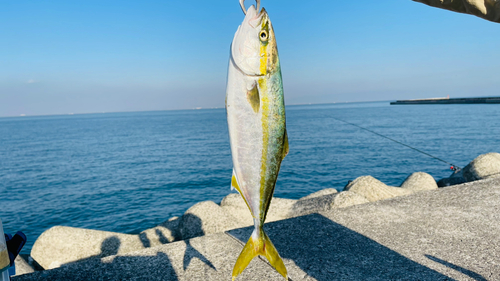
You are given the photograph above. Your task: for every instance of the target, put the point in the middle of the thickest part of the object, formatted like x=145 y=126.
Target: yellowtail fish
x=256 y=118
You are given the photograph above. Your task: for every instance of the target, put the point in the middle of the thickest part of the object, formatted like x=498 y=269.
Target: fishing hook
x=242 y=4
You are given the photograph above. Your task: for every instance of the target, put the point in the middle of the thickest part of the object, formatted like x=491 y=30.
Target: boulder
x=165 y=232
x=419 y=181
x=236 y=206
x=373 y=189
x=206 y=218
x=22 y=266
x=326 y=191
x=348 y=198
x=62 y=244
x=483 y=167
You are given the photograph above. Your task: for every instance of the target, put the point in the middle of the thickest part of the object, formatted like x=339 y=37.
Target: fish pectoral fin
x=253 y=97
x=286 y=148
x=259 y=245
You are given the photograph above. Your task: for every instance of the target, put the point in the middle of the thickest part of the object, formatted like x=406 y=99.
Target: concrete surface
x=445 y=234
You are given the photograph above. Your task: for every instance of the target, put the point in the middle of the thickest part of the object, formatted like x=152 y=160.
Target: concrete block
x=419 y=181
x=207 y=258
x=22 y=266
x=483 y=167
x=326 y=191
x=235 y=205
x=61 y=244
x=373 y=189
x=347 y=198
x=206 y=218
x=166 y=232
x=308 y=205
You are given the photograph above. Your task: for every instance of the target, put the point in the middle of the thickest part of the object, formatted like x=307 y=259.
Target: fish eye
x=263 y=35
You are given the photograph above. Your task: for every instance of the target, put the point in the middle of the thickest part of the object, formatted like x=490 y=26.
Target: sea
x=127 y=172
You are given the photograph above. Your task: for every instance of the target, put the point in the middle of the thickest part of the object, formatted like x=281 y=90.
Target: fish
x=255 y=111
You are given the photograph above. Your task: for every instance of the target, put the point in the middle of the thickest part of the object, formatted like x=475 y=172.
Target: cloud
x=31 y=81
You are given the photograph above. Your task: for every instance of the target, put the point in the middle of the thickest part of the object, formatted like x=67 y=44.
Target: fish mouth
x=258 y=18
x=262 y=15
x=262 y=12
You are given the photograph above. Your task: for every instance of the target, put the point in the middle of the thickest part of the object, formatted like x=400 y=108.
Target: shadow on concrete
x=467 y=272
x=158 y=267
x=161 y=237
x=144 y=240
x=191 y=253
x=329 y=251
x=109 y=246
x=192 y=226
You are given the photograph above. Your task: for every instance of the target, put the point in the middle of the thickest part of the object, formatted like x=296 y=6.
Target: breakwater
x=203 y=243
x=449 y=101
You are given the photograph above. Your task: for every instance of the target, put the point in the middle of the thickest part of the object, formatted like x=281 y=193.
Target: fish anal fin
x=235 y=185
x=259 y=244
x=286 y=148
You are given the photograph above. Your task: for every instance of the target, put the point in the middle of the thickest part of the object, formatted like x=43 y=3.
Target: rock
x=235 y=205
x=206 y=218
x=483 y=167
x=373 y=189
x=326 y=191
x=166 y=232
x=22 y=266
x=419 y=181
x=348 y=198
x=61 y=244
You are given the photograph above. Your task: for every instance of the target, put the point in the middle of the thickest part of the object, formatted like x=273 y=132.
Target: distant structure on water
x=447 y=100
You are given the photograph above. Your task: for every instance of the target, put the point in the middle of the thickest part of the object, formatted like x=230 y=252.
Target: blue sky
x=59 y=57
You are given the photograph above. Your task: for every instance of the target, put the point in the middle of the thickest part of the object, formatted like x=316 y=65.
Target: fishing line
x=452 y=166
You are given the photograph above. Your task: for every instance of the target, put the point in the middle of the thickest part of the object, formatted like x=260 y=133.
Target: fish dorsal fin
x=285 y=145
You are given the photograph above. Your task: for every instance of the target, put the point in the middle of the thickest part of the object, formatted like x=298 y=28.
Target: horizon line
x=195 y=108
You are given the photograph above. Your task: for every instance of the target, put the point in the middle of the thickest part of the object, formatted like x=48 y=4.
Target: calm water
x=127 y=172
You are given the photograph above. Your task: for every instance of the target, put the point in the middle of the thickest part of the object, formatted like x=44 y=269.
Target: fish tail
x=259 y=244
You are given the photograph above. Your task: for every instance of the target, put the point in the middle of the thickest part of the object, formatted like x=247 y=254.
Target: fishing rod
x=452 y=166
